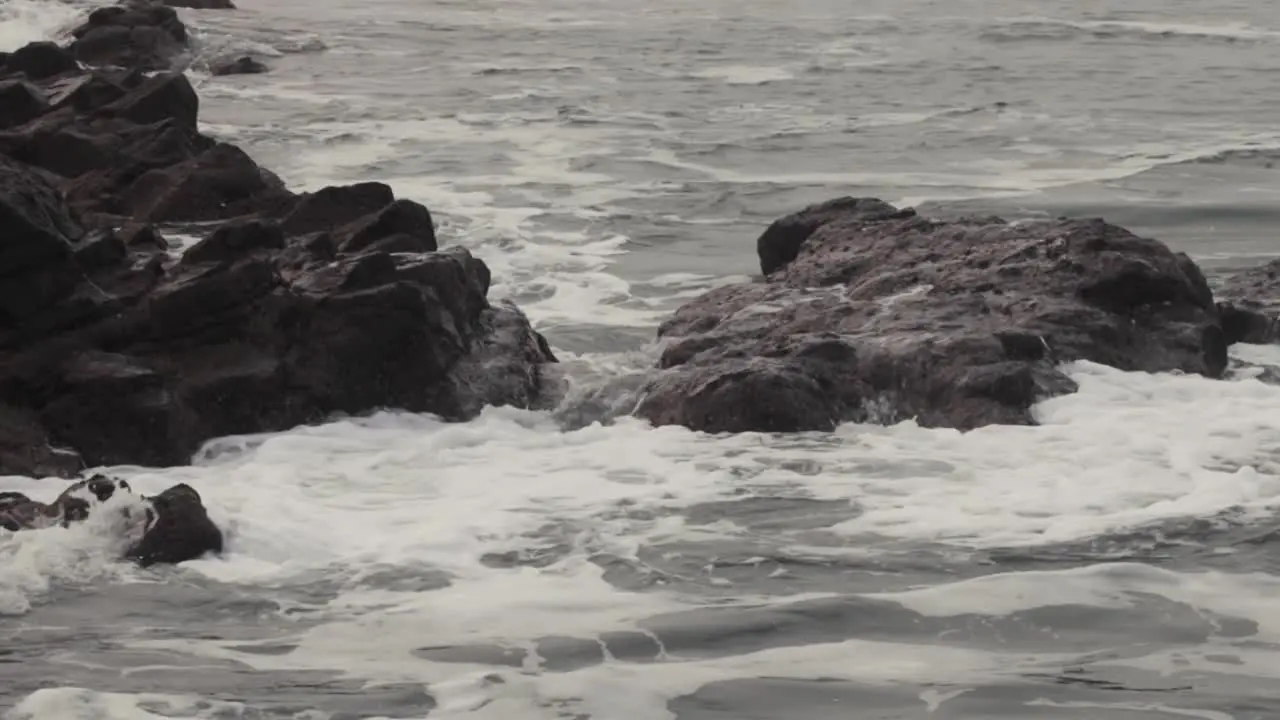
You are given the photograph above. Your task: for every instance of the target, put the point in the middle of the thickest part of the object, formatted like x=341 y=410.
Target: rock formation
x=172 y=527
x=292 y=307
x=872 y=313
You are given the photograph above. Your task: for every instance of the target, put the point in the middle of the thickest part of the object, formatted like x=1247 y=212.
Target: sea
x=610 y=160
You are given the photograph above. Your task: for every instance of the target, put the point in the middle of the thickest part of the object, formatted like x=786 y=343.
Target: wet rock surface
x=872 y=313
x=169 y=528
x=291 y=308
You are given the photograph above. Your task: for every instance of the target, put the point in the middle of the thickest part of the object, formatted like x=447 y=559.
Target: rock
x=175 y=526
x=36 y=250
x=19 y=512
x=202 y=4
x=401 y=217
x=41 y=60
x=166 y=96
x=1251 y=308
x=235 y=240
x=180 y=529
x=85 y=92
x=295 y=307
x=139 y=35
x=25 y=449
x=330 y=207
x=20 y=102
x=142 y=236
x=220 y=183
x=251 y=330
x=101 y=249
x=870 y=313
x=243 y=65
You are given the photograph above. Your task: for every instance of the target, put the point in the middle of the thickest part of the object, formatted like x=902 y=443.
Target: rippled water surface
x=610 y=160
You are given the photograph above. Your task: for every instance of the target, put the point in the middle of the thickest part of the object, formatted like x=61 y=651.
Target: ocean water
x=610 y=160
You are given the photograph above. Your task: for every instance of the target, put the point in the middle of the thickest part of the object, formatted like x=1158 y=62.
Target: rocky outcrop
x=872 y=313
x=169 y=528
x=1250 y=306
x=291 y=308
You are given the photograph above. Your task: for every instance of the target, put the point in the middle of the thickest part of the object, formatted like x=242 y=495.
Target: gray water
x=610 y=160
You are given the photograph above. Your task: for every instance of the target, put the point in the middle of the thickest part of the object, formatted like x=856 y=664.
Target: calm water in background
x=609 y=161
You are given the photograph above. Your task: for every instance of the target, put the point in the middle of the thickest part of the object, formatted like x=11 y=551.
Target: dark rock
x=162 y=97
x=175 y=526
x=19 y=512
x=870 y=313
x=20 y=102
x=401 y=217
x=142 y=236
x=180 y=529
x=1251 y=308
x=243 y=65
x=328 y=208
x=220 y=183
x=138 y=36
x=25 y=449
x=101 y=249
x=235 y=240
x=295 y=308
x=85 y=92
x=41 y=60
x=36 y=263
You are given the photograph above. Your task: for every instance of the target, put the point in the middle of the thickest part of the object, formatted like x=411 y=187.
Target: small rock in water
x=239 y=66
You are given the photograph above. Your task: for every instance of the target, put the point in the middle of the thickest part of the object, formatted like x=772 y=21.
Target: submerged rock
x=871 y=313
x=243 y=65
x=173 y=526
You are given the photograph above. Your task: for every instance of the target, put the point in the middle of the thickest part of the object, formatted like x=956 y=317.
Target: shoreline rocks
x=291 y=308
x=871 y=313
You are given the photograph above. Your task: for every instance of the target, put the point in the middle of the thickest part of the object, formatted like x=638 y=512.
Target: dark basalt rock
x=174 y=525
x=295 y=307
x=135 y=35
x=128 y=360
x=180 y=529
x=1250 y=306
x=872 y=313
x=41 y=60
x=20 y=102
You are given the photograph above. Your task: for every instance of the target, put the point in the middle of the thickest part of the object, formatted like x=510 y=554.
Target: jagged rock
x=20 y=102
x=36 y=250
x=180 y=529
x=251 y=330
x=138 y=35
x=220 y=183
x=166 y=96
x=331 y=207
x=872 y=313
x=41 y=60
x=1251 y=304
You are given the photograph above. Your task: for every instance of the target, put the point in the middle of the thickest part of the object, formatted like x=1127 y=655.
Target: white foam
x=745 y=74
x=24 y=21
x=33 y=563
